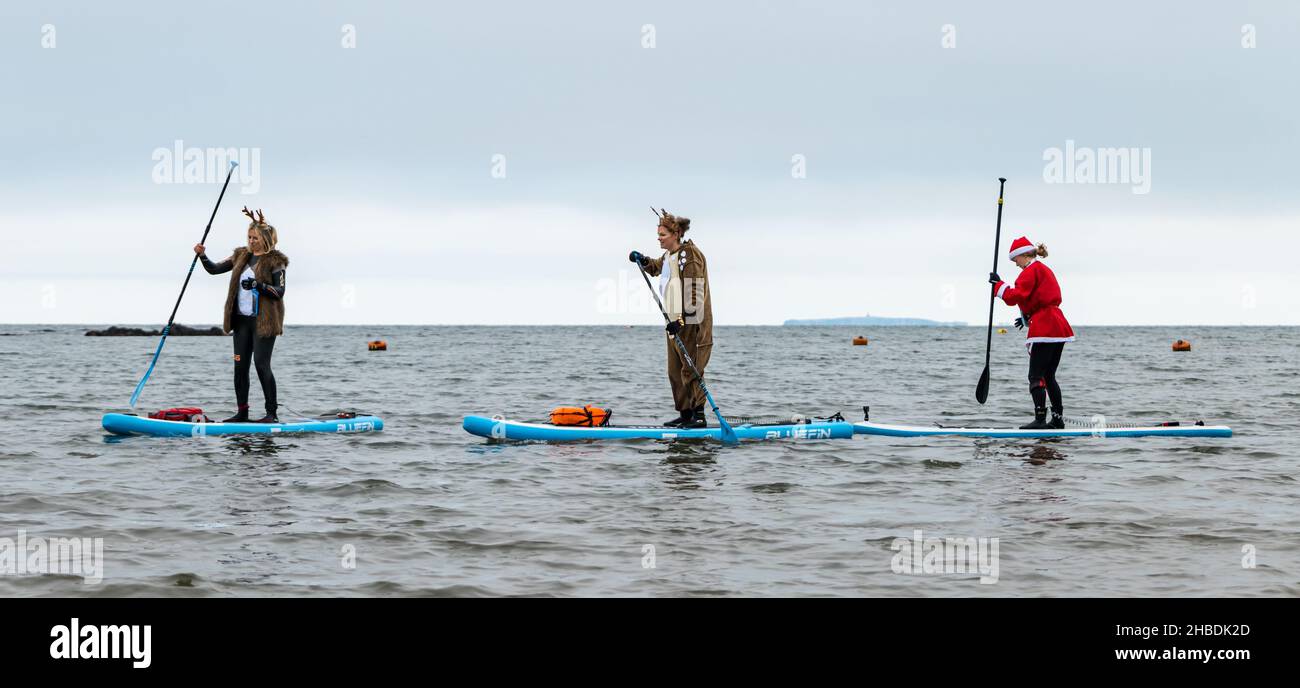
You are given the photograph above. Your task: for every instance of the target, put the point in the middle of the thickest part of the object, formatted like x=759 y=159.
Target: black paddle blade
x=982 y=389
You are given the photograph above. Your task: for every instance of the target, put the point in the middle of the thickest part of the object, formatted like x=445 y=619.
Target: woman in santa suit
x=1038 y=295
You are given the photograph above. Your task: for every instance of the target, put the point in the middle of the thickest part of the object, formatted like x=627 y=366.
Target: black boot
x=270 y=416
x=241 y=416
x=1040 y=420
x=697 y=419
x=1058 y=420
x=679 y=420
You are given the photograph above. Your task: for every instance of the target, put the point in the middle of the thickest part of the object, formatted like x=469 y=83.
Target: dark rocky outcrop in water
x=176 y=331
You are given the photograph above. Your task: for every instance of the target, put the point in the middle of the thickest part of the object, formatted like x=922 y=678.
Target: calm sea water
x=425 y=509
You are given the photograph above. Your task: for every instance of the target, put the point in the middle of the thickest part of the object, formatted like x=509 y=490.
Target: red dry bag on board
x=188 y=414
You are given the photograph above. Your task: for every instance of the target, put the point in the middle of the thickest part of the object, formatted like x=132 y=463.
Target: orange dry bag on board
x=587 y=416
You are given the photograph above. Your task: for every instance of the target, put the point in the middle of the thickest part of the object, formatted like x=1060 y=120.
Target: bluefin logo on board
x=75 y=641
x=799 y=433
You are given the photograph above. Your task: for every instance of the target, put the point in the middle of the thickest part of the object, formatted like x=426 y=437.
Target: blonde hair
x=268 y=234
x=264 y=230
x=1041 y=252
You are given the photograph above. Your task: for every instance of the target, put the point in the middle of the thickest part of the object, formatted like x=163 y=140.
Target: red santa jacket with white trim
x=1039 y=296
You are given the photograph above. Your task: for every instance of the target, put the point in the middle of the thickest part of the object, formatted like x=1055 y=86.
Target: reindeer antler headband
x=666 y=218
x=259 y=218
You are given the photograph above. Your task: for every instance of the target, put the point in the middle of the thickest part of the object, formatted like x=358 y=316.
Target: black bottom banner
x=336 y=637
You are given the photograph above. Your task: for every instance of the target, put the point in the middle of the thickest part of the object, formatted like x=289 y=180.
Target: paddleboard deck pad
x=869 y=428
x=127 y=424
x=502 y=429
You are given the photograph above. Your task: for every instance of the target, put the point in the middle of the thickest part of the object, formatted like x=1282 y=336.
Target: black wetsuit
x=250 y=348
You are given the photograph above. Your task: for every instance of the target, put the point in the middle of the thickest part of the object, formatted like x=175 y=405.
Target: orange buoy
x=859 y=341
x=378 y=345
x=1182 y=345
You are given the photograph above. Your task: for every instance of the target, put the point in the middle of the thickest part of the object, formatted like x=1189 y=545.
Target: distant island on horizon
x=871 y=321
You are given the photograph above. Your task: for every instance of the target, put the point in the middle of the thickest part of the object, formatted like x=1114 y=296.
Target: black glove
x=993 y=278
x=248 y=283
x=637 y=258
x=674 y=326
x=1022 y=322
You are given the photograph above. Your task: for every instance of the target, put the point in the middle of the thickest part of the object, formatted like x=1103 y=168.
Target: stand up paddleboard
x=868 y=428
x=126 y=424
x=502 y=429
x=1197 y=429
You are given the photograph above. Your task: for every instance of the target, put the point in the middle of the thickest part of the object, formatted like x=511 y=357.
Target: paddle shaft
x=680 y=346
x=982 y=387
x=135 y=396
x=993 y=288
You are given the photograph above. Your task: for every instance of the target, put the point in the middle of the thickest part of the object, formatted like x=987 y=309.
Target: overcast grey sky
x=376 y=162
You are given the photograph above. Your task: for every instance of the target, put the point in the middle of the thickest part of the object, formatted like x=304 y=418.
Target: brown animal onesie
x=685 y=293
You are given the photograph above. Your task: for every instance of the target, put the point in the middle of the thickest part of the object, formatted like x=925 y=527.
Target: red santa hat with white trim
x=1021 y=246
